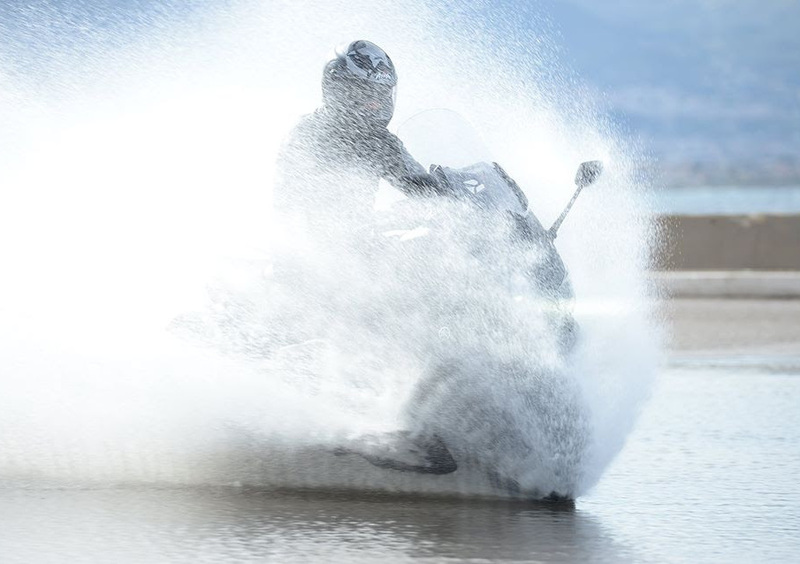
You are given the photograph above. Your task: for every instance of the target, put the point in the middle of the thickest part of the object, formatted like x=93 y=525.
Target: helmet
x=360 y=83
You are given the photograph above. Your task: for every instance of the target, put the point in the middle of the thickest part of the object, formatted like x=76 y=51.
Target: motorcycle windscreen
x=443 y=137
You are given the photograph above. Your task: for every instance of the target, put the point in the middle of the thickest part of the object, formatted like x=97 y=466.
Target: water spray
x=137 y=162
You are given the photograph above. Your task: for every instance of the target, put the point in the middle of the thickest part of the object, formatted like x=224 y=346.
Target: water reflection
x=222 y=525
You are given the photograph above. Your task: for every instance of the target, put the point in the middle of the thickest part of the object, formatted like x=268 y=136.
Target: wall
x=757 y=242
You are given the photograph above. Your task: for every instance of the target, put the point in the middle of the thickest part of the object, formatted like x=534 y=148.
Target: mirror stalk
x=587 y=173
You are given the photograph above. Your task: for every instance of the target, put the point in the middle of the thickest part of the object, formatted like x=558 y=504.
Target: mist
x=136 y=170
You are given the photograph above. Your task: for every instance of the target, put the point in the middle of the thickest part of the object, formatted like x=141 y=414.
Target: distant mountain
x=712 y=86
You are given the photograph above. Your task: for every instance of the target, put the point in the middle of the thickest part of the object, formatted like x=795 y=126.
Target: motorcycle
x=514 y=420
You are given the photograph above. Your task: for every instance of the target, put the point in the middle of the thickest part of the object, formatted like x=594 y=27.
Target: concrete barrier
x=741 y=242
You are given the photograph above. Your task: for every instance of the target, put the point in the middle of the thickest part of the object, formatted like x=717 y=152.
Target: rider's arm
x=403 y=172
x=418 y=185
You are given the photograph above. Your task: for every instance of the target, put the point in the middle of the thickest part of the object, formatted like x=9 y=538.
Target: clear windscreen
x=443 y=137
x=437 y=136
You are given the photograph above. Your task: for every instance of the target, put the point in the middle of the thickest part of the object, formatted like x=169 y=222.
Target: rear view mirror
x=588 y=172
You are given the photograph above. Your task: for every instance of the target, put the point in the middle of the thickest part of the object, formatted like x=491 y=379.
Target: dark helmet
x=360 y=83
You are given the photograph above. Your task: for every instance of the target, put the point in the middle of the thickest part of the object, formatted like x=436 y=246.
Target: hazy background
x=710 y=89
x=711 y=86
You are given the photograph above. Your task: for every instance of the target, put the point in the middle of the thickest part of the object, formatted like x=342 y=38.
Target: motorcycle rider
x=330 y=165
